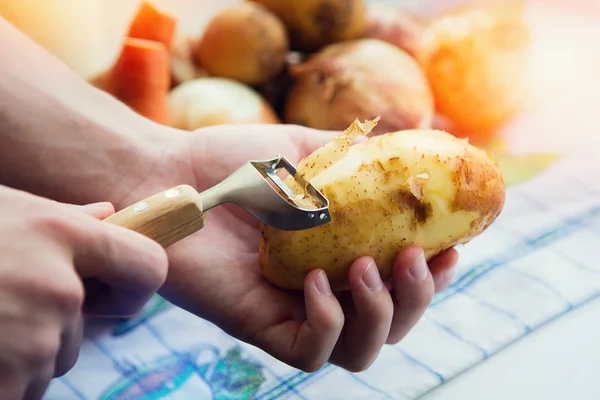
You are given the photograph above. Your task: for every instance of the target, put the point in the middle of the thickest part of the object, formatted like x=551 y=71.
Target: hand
x=51 y=255
x=215 y=272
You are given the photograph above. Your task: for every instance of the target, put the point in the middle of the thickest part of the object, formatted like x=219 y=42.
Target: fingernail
x=322 y=284
x=371 y=277
x=419 y=269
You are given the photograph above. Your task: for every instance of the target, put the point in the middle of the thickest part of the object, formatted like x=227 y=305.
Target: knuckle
x=59 y=291
x=52 y=223
x=383 y=311
x=333 y=322
x=63 y=293
x=41 y=349
x=68 y=297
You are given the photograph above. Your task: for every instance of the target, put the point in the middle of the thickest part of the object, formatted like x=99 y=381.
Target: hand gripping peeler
x=176 y=213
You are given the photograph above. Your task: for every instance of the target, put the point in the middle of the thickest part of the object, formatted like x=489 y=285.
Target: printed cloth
x=534 y=264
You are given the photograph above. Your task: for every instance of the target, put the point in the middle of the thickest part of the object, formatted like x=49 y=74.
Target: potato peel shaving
x=335 y=150
x=324 y=158
x=416 y=185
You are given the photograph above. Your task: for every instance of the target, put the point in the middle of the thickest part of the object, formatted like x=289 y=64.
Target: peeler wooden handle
x=165 y=217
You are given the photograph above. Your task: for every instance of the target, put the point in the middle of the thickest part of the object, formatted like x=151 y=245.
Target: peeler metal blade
x=258 y=189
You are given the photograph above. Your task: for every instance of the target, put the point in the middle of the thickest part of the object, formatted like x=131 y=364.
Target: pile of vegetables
x=325 y=63
x=330 y=64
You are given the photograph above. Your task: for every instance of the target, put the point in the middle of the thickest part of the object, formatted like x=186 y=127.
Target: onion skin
x=360 y=79
x=217 y=101
x=476 y=61
x=183 y=65
x=245 y=42
x=313 y=24
x=395 y=26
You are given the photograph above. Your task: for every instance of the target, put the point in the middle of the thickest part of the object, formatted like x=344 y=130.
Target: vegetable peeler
x=176 y=213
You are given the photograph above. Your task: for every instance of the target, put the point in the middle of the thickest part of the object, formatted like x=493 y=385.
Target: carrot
x=153 y=24
x=141 y=78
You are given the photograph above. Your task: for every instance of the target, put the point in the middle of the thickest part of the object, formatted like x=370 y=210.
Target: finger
x=318 y=335
x=442 y=268
x=69 y=350
x=97 y=210
x=130 y=266
x=307 y=345
x=39 y=384
x=367 y=330
x=412 y=292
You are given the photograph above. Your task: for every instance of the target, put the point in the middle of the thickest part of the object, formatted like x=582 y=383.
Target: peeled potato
x=313 y=24
x=414 y=187
x=475 y=61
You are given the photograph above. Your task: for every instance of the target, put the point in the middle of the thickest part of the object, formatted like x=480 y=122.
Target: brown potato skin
x=362 y=79
x=313 y=24
x=374 y=214
x=245 y=42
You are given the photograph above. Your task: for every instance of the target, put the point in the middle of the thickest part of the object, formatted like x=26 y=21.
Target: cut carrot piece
x=141 y=78
x=153 y=24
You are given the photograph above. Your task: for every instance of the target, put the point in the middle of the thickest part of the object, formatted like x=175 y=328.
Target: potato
x=476 y=62
x=413 y=187
x=313 y=24
x=245 y=42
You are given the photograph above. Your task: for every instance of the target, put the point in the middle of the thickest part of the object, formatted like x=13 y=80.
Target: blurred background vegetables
x=324 y=63
x=471 y=67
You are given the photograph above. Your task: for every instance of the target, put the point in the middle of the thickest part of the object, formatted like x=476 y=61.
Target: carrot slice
x=141 y=78
x=152 y=23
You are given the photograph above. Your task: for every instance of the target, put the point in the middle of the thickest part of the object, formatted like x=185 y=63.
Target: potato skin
x=377 y=208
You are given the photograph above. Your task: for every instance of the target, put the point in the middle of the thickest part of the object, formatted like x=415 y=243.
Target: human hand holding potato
x=215 y=273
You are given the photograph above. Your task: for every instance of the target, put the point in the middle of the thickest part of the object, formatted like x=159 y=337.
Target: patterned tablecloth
x=535 y=264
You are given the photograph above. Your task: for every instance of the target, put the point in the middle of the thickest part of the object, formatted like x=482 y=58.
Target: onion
x=395 y=26
x=215 y=101
x=361 y=79
x=476 y=63
x=245 y=42
x=183 y=65
x=313 y=24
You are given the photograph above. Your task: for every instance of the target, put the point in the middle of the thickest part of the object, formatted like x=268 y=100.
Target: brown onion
x=394 y=25
x=183 y=65
x=217 y=101
x=361 y=79
x=245 y=42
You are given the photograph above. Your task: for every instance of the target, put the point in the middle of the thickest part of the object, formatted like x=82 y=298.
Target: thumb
x=100 y=210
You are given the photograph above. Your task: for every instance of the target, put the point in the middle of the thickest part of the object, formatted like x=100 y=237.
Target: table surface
x=557 y=361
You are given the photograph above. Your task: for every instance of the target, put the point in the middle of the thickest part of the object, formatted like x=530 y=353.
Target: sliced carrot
x=141 y=78
x=152 y=23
